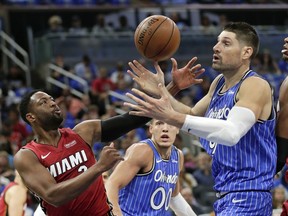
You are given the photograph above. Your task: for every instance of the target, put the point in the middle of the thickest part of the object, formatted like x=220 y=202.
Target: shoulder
x=140 y=152
x=140 y=148
x=255 y=83
x=23 y=157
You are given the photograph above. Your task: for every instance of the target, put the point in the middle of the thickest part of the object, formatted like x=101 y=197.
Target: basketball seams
x=168 y=41
x=147 y=44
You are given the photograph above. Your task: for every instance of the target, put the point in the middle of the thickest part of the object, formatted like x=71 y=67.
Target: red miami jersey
x=69 y=159
x=3 y=205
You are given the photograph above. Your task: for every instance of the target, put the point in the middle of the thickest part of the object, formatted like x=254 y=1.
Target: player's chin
x=165 y=144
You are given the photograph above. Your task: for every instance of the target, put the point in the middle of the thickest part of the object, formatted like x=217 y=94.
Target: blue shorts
x=244 y=203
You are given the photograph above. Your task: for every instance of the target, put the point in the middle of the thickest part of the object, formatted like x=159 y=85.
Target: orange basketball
x=157 y=37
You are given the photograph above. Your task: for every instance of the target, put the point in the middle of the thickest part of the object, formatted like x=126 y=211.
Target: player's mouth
x=216 y=58
x=164 y=137
x=57 y=111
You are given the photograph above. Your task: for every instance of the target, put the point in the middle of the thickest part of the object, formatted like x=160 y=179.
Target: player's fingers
x=145 y=97
x=199 y=72
x=191 y=62
x=174 y=64
x=134 y=68
x=140 y=67
x=158 y=69
x=111 y=145
x=132 y=74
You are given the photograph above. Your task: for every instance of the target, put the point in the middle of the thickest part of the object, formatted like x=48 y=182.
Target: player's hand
x=147 y=80
x=186 y=76
x=285 y=49
x=148 y=106
x=109 y=157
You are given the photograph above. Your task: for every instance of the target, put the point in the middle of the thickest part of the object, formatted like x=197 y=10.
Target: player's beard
x=50 y=122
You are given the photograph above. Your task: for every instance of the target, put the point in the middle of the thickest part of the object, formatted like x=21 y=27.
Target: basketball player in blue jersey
x=235 y=121
x=147 y=181
x=282 y=125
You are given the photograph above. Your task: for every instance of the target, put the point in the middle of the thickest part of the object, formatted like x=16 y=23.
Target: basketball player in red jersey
x=13 y=200
x=282 y=124
x=59 y=165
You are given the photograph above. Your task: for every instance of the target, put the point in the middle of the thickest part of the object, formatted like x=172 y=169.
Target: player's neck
x=48 y=137
x=232 y=78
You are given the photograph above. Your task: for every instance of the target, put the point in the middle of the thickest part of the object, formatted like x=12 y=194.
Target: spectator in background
x=121 y=88
x=86 y=69
x=207 y=27
x=283 y=66
x=99 y=90
x=268 y=63
x=180 y=22
x=101 y=28
x=203 y=172
x=55 y=25
x=123 y=25
x=278 y=196
x=14 y=129
x=119 y=74
x=59 y=61
x=76 y=27
x=187 y=194
x=6 y=169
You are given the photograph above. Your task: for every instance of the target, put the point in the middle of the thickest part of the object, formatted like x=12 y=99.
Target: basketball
x=157 y=37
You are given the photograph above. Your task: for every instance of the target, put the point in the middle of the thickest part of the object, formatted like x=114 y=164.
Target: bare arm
x=38 y=179
x=137 y=157
x=16 y=198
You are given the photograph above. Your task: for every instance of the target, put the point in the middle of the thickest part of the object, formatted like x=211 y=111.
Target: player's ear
x=30 y=117
x=247 y=52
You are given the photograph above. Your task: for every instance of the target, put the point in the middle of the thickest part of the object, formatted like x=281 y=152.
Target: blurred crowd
x=135 y=2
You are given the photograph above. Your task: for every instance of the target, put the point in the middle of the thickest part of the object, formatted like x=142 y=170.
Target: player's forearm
x=178 y=106
x=112 y=193
x=57 y=195
x=172 y=88
x=117 y=126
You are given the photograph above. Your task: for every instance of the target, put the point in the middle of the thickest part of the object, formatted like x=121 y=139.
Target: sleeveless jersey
x=69 y=159
x=3 y=205
x=251 y=163
x=149 y=194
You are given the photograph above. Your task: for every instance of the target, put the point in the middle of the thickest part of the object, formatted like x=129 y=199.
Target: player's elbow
x=228 y=137
x=54 y=199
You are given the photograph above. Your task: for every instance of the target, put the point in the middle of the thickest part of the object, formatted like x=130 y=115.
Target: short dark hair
x=246 y=33
x=24 y=107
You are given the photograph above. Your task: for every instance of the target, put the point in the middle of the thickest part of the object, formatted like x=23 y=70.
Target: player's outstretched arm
x=136 y=158
x=38 y=179
x=109 y=129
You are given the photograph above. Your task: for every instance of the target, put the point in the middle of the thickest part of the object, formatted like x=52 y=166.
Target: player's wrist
x=172 y=88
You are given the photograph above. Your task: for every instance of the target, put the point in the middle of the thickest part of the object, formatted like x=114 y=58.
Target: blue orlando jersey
x=149 y=194
x=251 y=163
